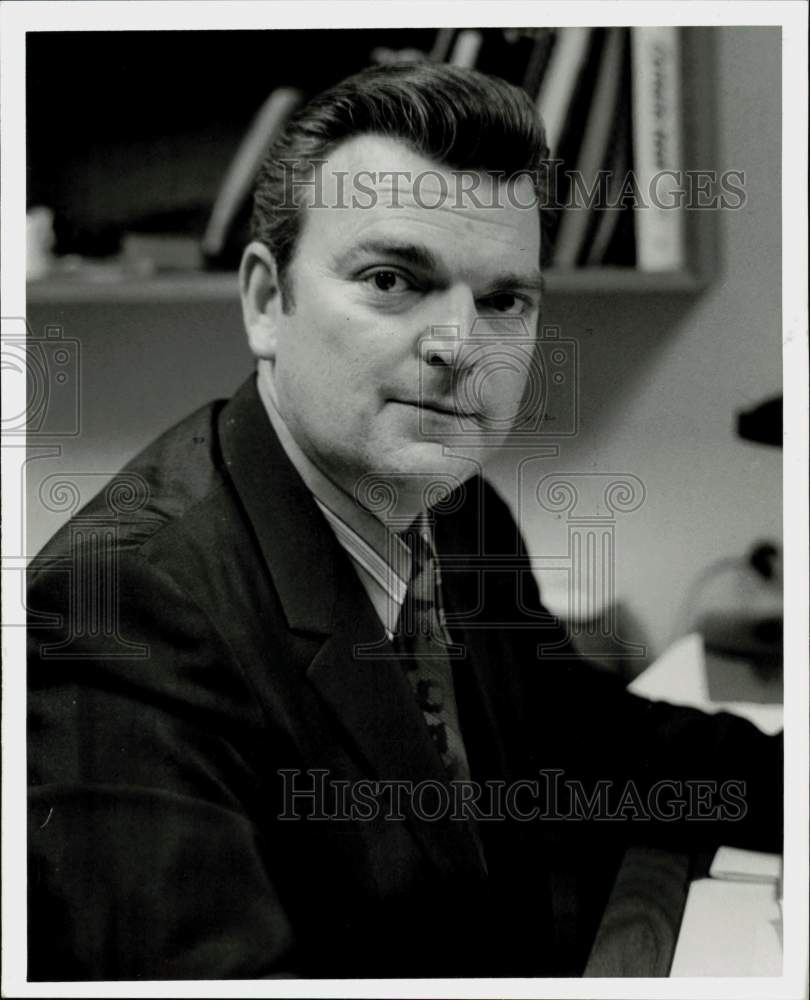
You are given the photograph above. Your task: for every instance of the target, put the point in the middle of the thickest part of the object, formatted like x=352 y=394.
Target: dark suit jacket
x=197 y=629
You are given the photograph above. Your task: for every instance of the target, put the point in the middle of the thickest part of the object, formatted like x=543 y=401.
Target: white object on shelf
x=39 y=241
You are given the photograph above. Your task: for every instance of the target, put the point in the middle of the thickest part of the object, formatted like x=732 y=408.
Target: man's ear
x=261 y=299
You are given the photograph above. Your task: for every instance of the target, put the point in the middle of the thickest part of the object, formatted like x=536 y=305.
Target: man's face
x=374 y=368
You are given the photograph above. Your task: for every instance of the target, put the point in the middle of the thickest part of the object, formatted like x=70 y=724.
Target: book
x=238 y=180
x=611 y=239
x=576 y=217
x=559 y=83
x=565 y=154
x=537 y=63
x=657 y=147
x=466 y=48
x=442 y=44
x=517 y=55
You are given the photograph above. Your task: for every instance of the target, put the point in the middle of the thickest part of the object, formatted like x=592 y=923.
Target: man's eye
x=506 y=303
x=388 y=281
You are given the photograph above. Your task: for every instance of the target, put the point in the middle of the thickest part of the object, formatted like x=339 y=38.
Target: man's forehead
x=371 y=170
x=376 y=186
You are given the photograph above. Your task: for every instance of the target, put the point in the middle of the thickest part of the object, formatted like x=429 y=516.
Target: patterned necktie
x=422 y=643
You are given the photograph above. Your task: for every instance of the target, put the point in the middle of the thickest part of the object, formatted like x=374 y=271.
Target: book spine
x=442 y=44
x=657 y=148
x=243 y=167
x=538 y=60
x=613 y=239
x=465 y=51
x=560 y=81
x=570 y=243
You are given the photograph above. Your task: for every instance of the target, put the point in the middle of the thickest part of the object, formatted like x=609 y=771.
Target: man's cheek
x=498 y=389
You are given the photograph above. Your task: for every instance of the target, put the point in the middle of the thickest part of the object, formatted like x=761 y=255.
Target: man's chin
x=433 y=458
x=422 y=473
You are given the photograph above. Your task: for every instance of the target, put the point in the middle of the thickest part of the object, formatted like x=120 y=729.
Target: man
x=242 y=766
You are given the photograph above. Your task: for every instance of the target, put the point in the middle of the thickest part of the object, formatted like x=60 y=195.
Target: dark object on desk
x=762 y=423
x=752 y=631
x=757 y=639
x=642 y=920
x=639 y=930
x=730 y=678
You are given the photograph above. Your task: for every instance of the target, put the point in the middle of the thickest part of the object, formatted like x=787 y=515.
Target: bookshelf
x=222 y=286
x=700 y=252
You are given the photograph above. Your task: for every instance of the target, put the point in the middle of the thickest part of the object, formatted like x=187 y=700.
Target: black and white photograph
x=405 y=499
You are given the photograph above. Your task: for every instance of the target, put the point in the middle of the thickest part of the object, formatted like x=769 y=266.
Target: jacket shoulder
x=174 y=474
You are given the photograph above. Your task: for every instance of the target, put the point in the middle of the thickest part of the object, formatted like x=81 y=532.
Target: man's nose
x=443 y=343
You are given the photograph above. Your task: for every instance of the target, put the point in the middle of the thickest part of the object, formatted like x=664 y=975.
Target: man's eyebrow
x=534 y=281
x=409 y=253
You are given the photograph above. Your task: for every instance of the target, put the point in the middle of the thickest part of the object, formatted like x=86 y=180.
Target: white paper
x=730 y=929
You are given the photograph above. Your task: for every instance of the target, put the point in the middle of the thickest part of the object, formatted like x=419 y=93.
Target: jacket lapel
x=355 y=672
x=294 y=538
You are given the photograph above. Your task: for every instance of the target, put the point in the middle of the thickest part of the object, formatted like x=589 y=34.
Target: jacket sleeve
x=655 y=772
x=146 y=859
x=663 y=774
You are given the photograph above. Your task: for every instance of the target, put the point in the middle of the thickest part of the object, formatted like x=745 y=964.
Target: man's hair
x=456 y=117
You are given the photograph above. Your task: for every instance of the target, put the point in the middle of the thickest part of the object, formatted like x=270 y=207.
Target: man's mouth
x=442 y=409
